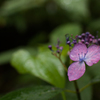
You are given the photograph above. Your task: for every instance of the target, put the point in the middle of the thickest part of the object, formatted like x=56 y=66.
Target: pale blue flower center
x=81 y=57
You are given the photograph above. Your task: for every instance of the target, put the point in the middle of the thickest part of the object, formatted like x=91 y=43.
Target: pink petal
x=76 y=70
x=77 y=51
x=93 y=55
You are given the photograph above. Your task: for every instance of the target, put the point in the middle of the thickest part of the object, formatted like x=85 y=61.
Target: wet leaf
x=44 y=65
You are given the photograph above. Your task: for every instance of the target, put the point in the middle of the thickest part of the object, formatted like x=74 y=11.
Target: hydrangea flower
x=80 y=53
x=85 y=49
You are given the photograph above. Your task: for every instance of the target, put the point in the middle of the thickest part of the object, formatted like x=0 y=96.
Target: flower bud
x=82 y=41
x=50 y=47
x=99 y=41
x=61 y=48
x=80 y=37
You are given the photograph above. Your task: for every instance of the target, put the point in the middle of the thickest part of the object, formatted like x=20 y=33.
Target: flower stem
x=85 y=87
x=77 y=90
x=59 y=57
x=89 y=84
x=76 y=87
x=75 y=82
x=63 y=63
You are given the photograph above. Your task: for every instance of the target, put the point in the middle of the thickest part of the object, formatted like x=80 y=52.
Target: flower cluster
x=85 y=48
x=58 y=48
x=85 y=38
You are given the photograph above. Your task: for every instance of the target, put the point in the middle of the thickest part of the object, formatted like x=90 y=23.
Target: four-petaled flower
x=80 y=53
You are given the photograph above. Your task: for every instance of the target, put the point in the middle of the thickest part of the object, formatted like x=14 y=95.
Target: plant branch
x=85 y=87
x=59 y=57
x=63 y=63
x=89 y=85
x=77 y=90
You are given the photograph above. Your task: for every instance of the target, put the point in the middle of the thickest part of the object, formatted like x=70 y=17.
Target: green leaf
x=44 y=66
x=33 y=93
x=61 y=31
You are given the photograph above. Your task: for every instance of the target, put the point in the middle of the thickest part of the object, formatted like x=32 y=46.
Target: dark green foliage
x=33 y=93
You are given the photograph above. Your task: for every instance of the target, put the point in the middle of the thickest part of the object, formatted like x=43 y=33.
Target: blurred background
x=28 y=24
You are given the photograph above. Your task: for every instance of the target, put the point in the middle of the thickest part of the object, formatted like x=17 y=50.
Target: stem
x=63 y=95
x=75 y=82
x=87 y=85
x=59 y=57
x=76 y=87
x=63 y=63
x=77 y=90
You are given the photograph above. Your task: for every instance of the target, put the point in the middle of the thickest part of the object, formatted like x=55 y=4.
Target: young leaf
x=32 y=93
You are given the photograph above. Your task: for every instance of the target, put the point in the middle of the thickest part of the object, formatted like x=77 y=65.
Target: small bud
x=74 y=41
x=80 y=37
x=83 y=35
x=86 y=43
x=68 y=42
x=67 y=37
x=87 y=33
x=90 y=40
x=82 y=41
x=61 y=48
x=93 y=37
x=50 y=47
x=90 y=36
x=58 y=51
x=99 y=41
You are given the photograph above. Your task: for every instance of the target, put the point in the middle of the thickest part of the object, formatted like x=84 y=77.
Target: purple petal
x=93 y=55
x=77 y=51
x=76 y=70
